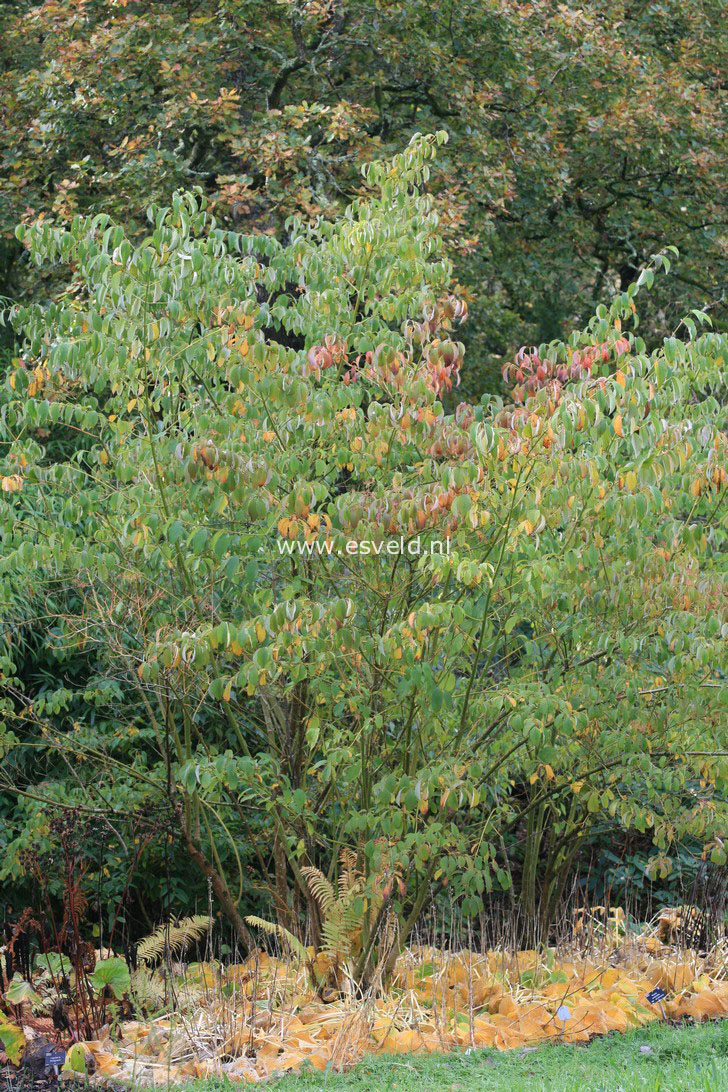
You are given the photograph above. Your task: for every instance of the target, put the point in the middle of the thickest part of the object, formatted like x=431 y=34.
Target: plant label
x=54 y=1058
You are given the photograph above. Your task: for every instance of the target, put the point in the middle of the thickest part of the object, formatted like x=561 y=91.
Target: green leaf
x=113 y=973
x=20 y=990
x=75 y=1060
x=176 y=530
x=53 y=963
x=198 y=541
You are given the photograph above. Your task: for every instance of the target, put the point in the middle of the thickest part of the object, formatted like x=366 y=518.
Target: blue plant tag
x=54 y=1058
x=563 y=1013
x=656 y=995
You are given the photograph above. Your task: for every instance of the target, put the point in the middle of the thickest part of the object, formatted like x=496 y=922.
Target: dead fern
x=292 y=943
x=341 y=910
x=172 y=939
x=148 y=991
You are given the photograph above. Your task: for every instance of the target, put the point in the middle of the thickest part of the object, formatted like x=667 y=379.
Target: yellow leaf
x=402 y=1042
x=106 y=1064
x=12 y=1039
x=617 y=423
x=619 y=377
x=705 y=1005
x=507 y=1006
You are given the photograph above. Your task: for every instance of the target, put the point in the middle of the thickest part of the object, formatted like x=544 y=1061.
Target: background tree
x=583 y=138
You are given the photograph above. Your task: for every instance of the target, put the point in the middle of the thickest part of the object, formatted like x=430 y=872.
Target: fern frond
x=270 y=927
x=174 y=938
x=349 y=877
x=320 y=888
x=147 y=990
x=335 y=941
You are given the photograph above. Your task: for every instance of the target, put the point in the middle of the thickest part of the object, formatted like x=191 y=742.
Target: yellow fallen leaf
x=705 y=1006
x=507 y=1006
x=319 y=1059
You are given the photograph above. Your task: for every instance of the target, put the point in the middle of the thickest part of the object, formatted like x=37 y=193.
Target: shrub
x=339 y=614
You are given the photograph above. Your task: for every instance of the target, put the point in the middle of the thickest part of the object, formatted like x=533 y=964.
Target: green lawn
x=657 y=1058
x=689 y=1057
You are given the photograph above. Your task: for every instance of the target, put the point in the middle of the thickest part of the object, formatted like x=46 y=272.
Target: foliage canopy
x=309 y=608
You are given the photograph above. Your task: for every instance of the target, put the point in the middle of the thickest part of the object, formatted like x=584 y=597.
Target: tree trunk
x=222 y=893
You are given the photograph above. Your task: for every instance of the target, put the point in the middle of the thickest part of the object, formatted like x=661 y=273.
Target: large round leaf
x=113 y=973
x=19 y=991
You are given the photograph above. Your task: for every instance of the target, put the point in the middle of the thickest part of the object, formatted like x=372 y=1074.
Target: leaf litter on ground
x=250 y=1021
